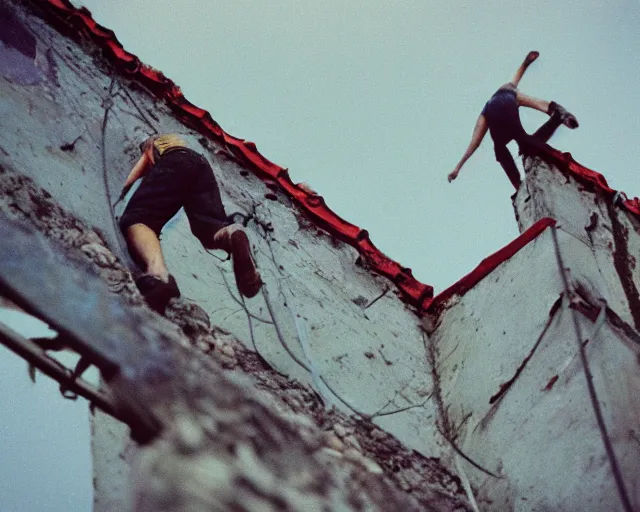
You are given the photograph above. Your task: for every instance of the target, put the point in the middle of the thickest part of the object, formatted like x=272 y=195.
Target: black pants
x=180 y=178
x=503 y=117
x=527 y=144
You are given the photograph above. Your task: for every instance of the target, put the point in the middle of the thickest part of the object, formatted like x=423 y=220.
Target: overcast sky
x=45 y=458
x=372 y=104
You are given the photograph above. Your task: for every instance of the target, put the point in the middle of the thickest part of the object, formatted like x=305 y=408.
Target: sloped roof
x=78 y=21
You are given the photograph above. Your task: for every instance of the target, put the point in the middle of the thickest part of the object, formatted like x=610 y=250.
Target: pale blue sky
x=44 y=439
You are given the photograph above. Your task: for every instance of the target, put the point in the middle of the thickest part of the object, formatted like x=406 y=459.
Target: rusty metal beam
x=33 y=354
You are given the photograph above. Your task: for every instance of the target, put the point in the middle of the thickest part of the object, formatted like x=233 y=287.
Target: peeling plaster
x=623 y=261
x=85 y=134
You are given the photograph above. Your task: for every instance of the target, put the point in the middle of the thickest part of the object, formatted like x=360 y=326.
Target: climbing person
x=176 y=176
x=501 y=117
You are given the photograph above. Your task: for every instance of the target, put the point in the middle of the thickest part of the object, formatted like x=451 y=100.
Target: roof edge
x=487 y=265
x=566 y=163
x=79 y=21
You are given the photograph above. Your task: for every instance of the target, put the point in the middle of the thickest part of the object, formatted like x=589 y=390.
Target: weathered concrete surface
x=541 y=435
x=610 y=232
x=113 y=452
x=77 y=136
x=223 y=443
x=512 y=333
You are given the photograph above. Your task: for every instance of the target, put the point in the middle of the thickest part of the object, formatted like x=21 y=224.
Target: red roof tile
x=487 y=265
x=312 y=204
x=413 y=291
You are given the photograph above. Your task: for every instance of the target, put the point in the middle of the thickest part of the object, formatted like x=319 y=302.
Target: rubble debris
x=225 y=431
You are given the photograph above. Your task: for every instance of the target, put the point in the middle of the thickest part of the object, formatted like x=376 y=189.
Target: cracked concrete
x=350 y=448
x=547 y=403
x=610 y=232
x=75 y=133
x=85 y=132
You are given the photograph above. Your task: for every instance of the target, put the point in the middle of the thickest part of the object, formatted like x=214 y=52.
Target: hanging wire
x=108 y=104
x=615 y=469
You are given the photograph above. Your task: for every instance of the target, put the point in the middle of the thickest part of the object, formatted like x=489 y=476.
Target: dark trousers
x=527 y=144
x=179 y=178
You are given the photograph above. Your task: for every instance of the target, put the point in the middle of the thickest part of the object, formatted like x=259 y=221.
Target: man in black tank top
x=501 y=117
x=175 y=176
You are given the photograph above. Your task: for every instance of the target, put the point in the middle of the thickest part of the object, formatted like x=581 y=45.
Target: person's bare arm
x=479 y=131
x=138 y=171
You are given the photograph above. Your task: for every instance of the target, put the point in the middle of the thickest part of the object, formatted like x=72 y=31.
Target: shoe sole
x=159 y=296
x=570 y=121
x=566 y=117
x=243 y=266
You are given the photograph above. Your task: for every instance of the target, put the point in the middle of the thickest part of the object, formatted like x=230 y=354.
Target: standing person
x=501 y=117
x=175 y=176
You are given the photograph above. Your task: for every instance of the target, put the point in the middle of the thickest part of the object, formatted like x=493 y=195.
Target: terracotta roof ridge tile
x=487 y=265
x=413 y=291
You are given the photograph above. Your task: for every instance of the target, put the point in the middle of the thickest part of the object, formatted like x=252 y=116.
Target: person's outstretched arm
x=479 y=131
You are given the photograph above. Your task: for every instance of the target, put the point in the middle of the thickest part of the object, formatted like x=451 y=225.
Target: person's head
x=147 y=144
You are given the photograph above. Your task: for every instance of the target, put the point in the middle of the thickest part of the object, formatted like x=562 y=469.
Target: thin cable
x=304 y=344
x=467 y=486
x=108 y=104
x=265 y=294
x=615 y=469
x=282 y=341
x=507 y=385
x=596 y=327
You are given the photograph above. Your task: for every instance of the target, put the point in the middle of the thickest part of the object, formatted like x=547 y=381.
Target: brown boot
x=234 y=240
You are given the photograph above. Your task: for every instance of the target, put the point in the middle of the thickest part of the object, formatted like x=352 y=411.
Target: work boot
x=156 y=292
x=234 y=240
x=566 y=117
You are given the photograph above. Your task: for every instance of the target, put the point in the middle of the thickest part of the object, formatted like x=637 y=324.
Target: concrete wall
x=113 y=453
x=609 y=231
x=74 y=125
x=542 y=433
